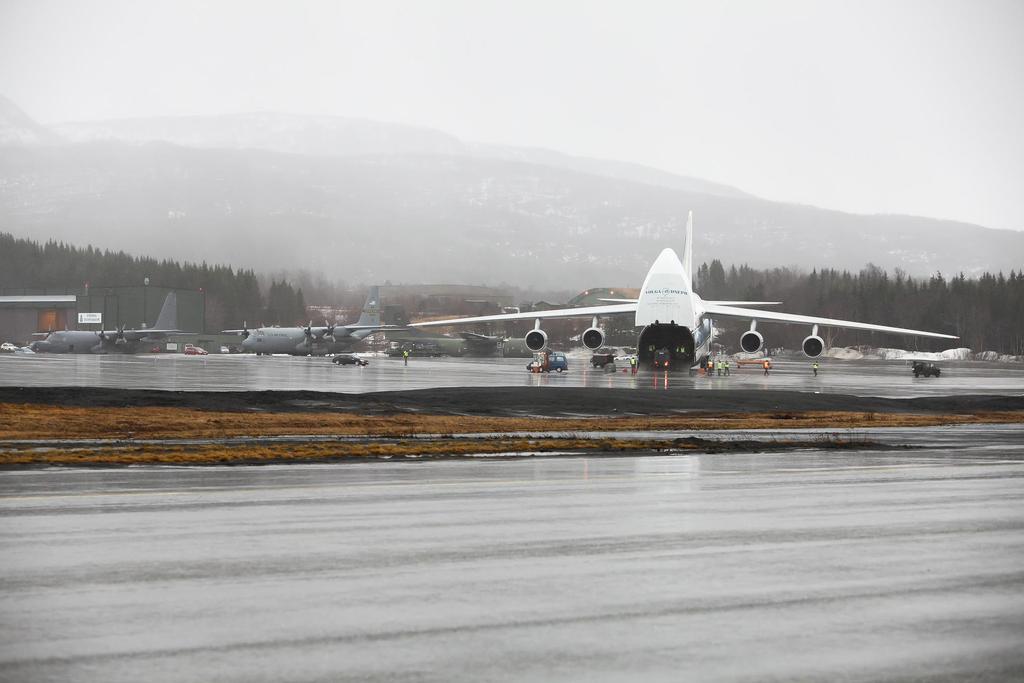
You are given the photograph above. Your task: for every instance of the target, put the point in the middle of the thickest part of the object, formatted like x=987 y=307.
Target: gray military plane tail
x=370 y=317
x=168 y=318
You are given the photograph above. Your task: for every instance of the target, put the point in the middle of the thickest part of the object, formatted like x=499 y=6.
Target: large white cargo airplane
x=675 y=319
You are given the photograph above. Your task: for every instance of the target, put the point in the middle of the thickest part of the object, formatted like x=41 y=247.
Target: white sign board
x=172 y=346
x=90 y=318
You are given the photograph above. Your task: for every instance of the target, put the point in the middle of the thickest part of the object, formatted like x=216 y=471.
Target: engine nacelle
x=751 y=341
x=593 y=338
x=813 y=346
x=536 y=339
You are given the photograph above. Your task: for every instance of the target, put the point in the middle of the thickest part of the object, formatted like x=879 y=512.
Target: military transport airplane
x=676 y=319
x=112 y=341
x=315 y=341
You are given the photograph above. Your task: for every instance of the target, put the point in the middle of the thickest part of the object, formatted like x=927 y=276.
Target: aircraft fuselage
x=295 y=341
x=84 y=341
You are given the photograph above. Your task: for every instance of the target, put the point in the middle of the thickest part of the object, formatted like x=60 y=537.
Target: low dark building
x=25 y=311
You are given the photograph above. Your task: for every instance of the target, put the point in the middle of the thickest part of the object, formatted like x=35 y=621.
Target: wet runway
x=814 y=565
x=891 y=379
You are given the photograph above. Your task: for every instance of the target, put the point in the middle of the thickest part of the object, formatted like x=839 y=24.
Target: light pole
x=145 y=297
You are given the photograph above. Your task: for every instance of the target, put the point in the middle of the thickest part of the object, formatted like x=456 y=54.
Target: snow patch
x=904 y=354
x=843 y=353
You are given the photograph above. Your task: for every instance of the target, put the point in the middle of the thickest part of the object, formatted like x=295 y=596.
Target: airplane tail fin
x=168 y=318
x=688 y=249
x=370 y=317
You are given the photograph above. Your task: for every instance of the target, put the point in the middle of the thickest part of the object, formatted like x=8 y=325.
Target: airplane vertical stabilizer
x=370 y=317
x=168 y=318
x=688 y=249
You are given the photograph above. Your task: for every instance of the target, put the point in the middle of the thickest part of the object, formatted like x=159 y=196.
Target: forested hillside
x=986 y=312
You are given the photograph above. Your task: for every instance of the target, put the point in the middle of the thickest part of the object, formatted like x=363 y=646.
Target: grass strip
x=248 y=454
x=33 y=421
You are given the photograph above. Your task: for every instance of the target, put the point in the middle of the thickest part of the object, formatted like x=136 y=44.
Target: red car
x=193 y=350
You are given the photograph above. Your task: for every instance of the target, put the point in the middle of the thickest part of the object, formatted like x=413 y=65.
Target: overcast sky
x=908 y=107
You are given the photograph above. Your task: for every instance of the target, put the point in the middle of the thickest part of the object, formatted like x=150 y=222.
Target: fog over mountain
x=366 y=201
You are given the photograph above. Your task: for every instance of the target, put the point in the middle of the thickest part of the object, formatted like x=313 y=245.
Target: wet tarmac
x=891 y=379
x=811 y=565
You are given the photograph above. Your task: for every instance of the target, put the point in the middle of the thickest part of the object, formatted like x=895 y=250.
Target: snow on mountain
x=421 y=218
x=367 y=201
x=287 y=133
x=337 y=136
x=17 y=128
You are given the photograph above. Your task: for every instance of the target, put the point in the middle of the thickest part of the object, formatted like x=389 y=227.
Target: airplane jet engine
x=751 y=341
x=813 y=346
x=536 y=339
x=593 y=338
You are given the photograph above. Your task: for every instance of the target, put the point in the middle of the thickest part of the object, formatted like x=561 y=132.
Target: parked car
x=349 y=359
x=193 y=350
x=8 y=347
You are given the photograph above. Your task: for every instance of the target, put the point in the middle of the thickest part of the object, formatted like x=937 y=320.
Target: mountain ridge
x=385 y=201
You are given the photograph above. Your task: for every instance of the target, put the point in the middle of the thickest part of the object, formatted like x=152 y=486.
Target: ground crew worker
x=634 y=364
x=405 y=356
x=726 y=368
x=718 y=366
x=767 y=364
x=815 y=368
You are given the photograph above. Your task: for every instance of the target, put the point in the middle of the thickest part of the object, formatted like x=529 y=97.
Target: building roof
x=30 y=300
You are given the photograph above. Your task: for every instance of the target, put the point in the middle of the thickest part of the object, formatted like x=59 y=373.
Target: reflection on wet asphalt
x=816 y=565
x=247 y=372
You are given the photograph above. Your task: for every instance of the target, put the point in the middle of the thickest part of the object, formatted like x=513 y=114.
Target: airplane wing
x=720 y=303
x=720 y=311
x=139 y=335
x=744 y=303
x=583 y=312
x=473 y=336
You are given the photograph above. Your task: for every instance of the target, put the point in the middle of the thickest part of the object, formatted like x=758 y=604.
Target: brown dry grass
x=29 y=421
x=430 y=448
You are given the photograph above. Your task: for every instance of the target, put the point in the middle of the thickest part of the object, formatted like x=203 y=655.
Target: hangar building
x=24 y=312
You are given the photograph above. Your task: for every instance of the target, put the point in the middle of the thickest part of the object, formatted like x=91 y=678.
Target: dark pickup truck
x=920 y=368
